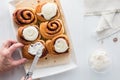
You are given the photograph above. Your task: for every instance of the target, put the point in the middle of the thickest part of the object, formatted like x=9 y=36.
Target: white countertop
x=84 y=42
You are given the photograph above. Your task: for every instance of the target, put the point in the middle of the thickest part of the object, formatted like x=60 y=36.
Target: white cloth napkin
x=96 y=7
x=109 y=10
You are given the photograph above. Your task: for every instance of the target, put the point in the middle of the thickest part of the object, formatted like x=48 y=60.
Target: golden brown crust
x=51 y=29
x=27 y=55
x=41 y=18
x=50 y=45
x=24 y=17
x=20 y=34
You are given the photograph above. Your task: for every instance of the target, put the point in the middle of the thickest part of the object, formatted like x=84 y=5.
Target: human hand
x=6 y=51
x=27 y=79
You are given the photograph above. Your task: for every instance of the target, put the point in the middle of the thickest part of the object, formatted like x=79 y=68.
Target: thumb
x=27 y=79
x=19 y=62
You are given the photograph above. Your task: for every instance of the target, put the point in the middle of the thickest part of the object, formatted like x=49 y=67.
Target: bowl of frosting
x=100 y=61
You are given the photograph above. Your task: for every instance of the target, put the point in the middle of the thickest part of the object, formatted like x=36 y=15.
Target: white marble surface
x=84 y=41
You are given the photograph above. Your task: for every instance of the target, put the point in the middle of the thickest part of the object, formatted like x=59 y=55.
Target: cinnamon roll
x=58 y=45
x=30 y=50
x=28 y=34
x=47 y=11
x=51 y=29
x=24 y=17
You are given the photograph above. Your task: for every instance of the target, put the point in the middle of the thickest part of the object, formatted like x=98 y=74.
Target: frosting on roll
x=30 y=33
x=33 y=48
x=48 y=10
x=61 y=45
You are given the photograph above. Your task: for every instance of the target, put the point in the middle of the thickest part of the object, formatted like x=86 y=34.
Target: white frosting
x=30 y=33
x=34 y=48
x=99 y=61
x=61 y=45
x=48 y=10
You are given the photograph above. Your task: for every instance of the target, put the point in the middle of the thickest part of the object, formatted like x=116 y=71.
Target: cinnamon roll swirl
x=58 y=45
x=51 y=29
x=47 y=11
x=30 y=50
x=28 y=34
x=24 y=17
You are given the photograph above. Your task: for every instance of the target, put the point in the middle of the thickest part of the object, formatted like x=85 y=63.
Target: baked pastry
x=47 y=11
x=28 y=34
x=51 y=29
x=24 y=17
x=29 y=51
x=58 y=45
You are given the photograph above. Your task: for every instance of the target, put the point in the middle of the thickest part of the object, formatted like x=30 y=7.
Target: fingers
x=22 y=78
x=30 y=78
x=13 y=47
x=8 y=43
x=19 y=62
x=27 y=79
